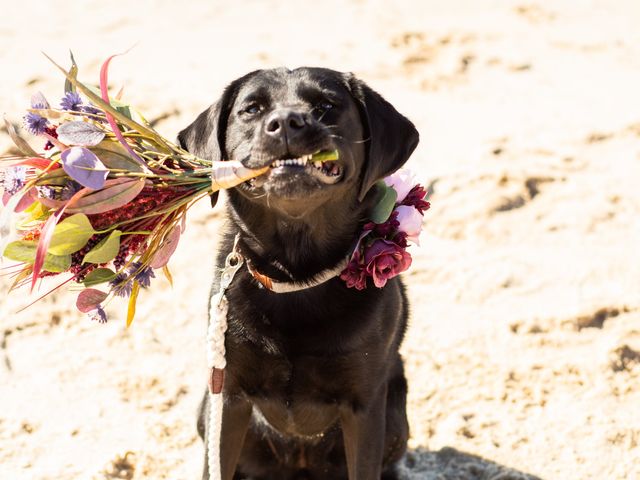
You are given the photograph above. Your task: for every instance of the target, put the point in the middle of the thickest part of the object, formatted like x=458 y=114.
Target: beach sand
x=523 y=353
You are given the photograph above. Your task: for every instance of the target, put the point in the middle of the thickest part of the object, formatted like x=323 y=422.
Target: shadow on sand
x=451 y=464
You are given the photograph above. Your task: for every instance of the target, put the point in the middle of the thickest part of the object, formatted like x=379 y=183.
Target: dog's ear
x=206 y=136
x=391 y=137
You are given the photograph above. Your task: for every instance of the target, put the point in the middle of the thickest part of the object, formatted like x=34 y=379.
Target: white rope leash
x=217 y=362
x=216 y=359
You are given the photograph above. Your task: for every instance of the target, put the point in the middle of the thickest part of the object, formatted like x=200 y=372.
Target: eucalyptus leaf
x=71 y=234
x=84 y=167
x=106 y=250
x=385 y=203
x=90 y=299
x=80 y=133
x=25 y=251
x=99 y=275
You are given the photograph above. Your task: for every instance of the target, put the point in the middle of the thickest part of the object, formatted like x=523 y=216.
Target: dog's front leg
x=363 y=432
x=236 y=415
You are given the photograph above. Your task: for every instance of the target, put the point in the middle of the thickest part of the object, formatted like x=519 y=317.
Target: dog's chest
x=296 y=394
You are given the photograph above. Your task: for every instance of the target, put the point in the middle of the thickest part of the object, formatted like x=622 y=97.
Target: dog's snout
x=285 y=122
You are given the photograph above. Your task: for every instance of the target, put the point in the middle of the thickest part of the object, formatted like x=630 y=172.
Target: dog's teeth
x=317 y=164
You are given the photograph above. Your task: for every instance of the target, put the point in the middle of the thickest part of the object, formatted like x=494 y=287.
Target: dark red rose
x=384 y=260
x=384 y=229
x=355 y=275
x=416 y=198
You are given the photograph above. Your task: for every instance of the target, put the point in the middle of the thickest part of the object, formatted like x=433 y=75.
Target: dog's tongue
x=229 y=174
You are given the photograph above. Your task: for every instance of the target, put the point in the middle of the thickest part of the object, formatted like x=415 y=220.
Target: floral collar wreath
x=396 y=221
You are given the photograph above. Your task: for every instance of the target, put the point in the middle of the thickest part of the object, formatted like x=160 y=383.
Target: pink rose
x=402 y=182
x=410 y=222
x=385 y=260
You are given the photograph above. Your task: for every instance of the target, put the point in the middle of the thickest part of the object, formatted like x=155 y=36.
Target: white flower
x=402 y=182
x=410 y=221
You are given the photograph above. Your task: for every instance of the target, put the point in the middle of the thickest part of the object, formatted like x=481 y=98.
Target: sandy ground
x=524 y=348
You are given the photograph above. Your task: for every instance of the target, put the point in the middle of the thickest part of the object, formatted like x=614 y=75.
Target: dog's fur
x=314 y=385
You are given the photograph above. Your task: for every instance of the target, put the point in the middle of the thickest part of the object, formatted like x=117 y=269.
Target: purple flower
x=46 y=192
x=385 y=260
x=99 y=315
x=92 y=110
x=71 y=101
x=13 y=179
x=121 y=285
x=35 y=123
x=39 y=101
x=355 y=275
x=143 y=275
x=69 y=190
x=409 y=222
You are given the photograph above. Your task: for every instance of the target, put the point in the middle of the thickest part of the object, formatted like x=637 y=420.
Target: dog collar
x=278 y=286
x=288 y=287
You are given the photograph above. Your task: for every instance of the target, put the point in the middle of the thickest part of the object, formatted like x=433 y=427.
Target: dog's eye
x=324 y=106
x=251 y=109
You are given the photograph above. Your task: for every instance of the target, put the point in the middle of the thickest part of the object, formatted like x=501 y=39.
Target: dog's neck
x=295 y=248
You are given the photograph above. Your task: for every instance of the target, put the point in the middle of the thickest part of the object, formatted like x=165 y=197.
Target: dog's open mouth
x=320 y=165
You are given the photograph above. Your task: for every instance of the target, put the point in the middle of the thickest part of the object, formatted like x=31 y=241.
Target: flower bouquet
x=105 y=199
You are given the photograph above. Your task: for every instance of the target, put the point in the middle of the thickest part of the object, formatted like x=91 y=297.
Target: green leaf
x=20 y=142
x=73 y=72
x=106 y=250
x=25 y=251
x=37 y=212
x=57 y=177
x=385 y=203
x=125 y=110
x=99 y=275
x=115 y=157
x=119 y=106
x=71 y=235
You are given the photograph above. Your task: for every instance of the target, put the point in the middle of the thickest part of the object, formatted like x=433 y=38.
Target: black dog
x=314 y=386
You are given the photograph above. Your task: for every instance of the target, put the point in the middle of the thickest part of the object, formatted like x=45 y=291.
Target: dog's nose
x=285 y=122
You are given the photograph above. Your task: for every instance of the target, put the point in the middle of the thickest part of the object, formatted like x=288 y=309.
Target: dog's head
x=280 y=117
